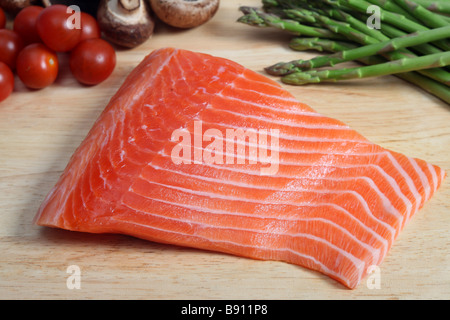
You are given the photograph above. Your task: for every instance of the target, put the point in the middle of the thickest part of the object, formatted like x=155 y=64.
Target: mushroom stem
x=130 y=5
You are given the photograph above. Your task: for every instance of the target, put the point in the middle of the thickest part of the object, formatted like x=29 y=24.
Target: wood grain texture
x=39 y=131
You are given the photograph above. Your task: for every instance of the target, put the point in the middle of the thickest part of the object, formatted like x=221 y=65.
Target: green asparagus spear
x=270 y=3
x=427 y=17
x=435 y=88
x=301 y=17
x=393 y=7
x=301 y=44
x=384 y=34
x=356 y=18
x=256 y=17
x=333 y=25
x=360 y=27
x=392 y=18
x=359 y=37
x=356 y=23
x=387 y=31
x=363 y=51
x=441 y=6
x=391 y=67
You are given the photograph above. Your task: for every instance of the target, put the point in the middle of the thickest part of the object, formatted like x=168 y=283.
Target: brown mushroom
x=127 y=23
x=14 y=6
x=184 y=13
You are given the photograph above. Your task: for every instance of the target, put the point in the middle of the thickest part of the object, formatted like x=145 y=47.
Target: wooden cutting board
x=39 y=131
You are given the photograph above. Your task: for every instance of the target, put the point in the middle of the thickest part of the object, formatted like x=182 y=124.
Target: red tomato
x=92 y=61
x=2 y=19
x=10 y=45
x=89 y=27
x=37 y=66
x=6 y=81
x=57 y=27
x=25 y=24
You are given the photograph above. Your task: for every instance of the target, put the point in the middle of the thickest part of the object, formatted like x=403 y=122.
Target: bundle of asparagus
x=412 y=41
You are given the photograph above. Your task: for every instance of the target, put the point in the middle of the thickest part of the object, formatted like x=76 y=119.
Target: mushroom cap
x=127 y=27
x=14 y=6
x=185 y=13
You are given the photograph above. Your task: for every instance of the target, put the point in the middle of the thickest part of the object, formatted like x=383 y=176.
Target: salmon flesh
x=198 y=151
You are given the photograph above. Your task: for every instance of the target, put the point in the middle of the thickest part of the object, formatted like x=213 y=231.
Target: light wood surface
x=39 y=130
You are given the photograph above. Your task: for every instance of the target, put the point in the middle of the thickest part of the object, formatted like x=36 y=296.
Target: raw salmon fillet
x=335 y=204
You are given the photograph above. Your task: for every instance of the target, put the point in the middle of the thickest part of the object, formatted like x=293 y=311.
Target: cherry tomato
x=92 y=61
x=25 y=24
x=10 y=46
x=6 y=81
x=37 y=66
x=89 y=27
x=57 y=28
x=2 y=19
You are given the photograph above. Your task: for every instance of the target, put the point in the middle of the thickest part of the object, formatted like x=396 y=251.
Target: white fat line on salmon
x=409 y=183
x=386 y=202
x=392 y=182
x=286 y=136
x=286 y=123
x=348 y=151
x=443 y=174
x=387 y=205
x=213 y=153
x=137 y=94
x=367 y=244
x=70 y=175
x=294 y=111
x=375 y=252
x=282 y=150
x=320 y=265
x=213 y=195
x=422 y=176
x=396 y=187
x=433 y=176
x=190 y=149
x=284 y=98
x=300 y=207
